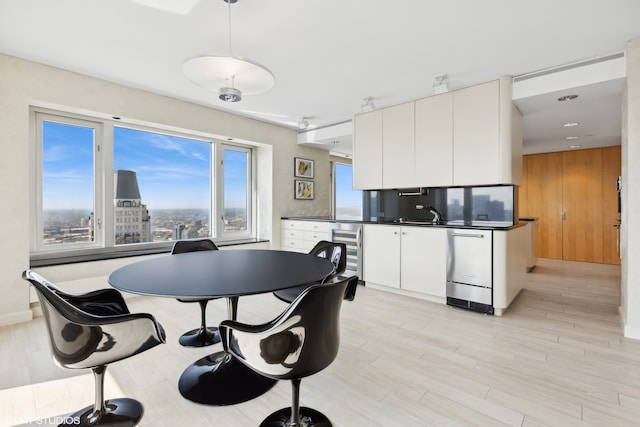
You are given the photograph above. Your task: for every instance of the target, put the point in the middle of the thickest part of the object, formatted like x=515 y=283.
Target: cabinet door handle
x=563 y=216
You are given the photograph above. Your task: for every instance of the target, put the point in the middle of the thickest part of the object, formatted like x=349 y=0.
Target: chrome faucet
x=436 y=215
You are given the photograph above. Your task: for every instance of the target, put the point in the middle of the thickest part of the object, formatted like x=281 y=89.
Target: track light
x=303 y=123
x=440 y=84
x=368 y=104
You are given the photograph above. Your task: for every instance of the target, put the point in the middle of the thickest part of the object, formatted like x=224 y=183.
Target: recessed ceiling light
x=571 y=124
x=575 y=146
x=572 y=137
x=567 y=97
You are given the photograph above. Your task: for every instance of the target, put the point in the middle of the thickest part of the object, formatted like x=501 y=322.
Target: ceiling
x=327 y=55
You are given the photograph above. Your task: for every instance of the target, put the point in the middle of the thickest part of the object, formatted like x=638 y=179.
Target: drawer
x=292 y=234
x=295 y=245
x=315 y=236
x=293 y=225
x=316 y=226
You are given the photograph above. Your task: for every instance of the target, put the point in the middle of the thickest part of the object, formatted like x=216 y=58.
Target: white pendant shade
x=215 y=72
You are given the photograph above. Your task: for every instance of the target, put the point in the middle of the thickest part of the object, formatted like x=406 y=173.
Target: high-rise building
x=132 y=220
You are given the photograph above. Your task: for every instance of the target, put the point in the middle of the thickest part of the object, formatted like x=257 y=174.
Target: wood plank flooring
x=556 y=358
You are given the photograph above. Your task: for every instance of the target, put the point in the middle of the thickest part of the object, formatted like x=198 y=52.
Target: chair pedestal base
x=120 y=412
x=200 y=337
x=220 y=379
x=308 y=418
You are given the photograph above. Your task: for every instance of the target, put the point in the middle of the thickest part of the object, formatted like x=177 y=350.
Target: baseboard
x=16 y=317
x=628 y=331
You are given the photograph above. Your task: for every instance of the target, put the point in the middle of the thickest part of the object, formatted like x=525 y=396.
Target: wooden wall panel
x=543 y=199
x=582 y=184
x=582 y=229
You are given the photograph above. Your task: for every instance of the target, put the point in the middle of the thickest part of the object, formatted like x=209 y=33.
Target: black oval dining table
x=220 y=379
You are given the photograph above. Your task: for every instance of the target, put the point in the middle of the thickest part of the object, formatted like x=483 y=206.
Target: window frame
x=36 y=193
x=104 y=234
x=221 y=235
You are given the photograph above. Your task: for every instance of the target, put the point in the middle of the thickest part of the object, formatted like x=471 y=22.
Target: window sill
x=62 y=259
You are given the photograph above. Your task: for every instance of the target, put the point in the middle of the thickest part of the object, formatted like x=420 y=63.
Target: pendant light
x=230 y=76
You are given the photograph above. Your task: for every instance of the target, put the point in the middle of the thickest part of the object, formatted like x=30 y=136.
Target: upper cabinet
x=434 y=141
x=367 y=148
x=398 y=167
x=487 y=132
x=471 y=136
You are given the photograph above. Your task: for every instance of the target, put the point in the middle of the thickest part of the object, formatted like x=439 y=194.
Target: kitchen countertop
x=481 y=225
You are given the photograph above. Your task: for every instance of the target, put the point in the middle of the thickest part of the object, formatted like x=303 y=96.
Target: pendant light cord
x=229 y=14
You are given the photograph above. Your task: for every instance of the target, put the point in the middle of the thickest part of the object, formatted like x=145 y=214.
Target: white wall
x=25 y=83
x=630 y=249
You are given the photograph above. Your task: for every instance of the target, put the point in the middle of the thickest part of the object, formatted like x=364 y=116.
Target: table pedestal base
x=220 y=379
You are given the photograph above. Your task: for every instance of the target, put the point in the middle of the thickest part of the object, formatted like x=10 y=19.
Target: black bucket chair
x=203 y=336
x=90 y=331
x=334 y=252
x=301 y=341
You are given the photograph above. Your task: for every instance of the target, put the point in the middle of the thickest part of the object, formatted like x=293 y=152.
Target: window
x=347 y=202
x=162 y=186
x=66 y=157
x=236 y=191
x=104 y=185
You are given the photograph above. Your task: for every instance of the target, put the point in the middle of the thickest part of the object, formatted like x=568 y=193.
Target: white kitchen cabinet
x=398 y=141
x=302 y=236
x=381 y=255
x=406 y=258
x=434 y=141
x=509 y=266
x=487 y=142
x=470 y=136
x=423 y=260
x=367 y=151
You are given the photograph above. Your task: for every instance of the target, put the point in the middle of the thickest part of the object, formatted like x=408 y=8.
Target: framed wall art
x=303 y=168
x=303 y=190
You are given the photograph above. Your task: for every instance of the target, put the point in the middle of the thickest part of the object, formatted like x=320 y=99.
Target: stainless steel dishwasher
x=470 y=269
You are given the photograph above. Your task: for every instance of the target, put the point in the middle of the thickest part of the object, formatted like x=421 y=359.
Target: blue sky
x=345 y=195
x=173 y=172
x=68 y=167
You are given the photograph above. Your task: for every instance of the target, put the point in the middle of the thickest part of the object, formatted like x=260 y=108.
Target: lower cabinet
x=302 y=236
x=405 y=257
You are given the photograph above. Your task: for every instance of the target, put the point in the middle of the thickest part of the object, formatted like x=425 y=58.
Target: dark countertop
x=479 y=225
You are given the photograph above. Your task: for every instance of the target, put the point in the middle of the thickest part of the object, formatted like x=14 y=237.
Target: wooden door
x=582 y=231
x=543 y=200
x=611 y=170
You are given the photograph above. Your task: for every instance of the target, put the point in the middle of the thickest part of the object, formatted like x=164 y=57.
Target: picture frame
x=303 y=168
x=303 y=190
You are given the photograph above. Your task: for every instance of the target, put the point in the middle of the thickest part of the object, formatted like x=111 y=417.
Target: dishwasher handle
x=479 y=236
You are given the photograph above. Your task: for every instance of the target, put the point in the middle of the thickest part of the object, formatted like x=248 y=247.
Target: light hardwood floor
x=556 y=358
